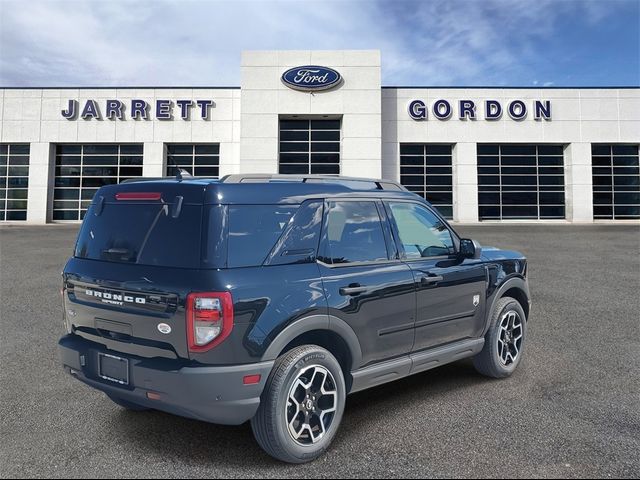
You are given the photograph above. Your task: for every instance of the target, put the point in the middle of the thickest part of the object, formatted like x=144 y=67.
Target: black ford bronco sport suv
x=270 y=298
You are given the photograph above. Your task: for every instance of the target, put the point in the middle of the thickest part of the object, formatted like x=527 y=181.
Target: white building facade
x=478 y=154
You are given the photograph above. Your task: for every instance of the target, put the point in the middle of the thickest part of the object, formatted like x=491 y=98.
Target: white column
x=465 y=183
x=154 y=160
x=229 y=159
x=361 y=149
x=41 y=179
x=578 y=182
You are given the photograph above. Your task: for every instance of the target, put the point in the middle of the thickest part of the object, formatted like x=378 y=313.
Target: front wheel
x=505 y=340
x=302 y=405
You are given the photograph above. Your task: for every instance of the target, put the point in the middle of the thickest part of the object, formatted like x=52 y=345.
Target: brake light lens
x=209 y=319
x=138 y=196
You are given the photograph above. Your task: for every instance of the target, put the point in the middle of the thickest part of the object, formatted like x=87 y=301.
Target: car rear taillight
x=209 y=319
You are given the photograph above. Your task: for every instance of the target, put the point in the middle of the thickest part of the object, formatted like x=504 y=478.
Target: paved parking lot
x=572 y=409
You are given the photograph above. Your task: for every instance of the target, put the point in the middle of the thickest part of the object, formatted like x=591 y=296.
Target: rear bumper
x=211 y=394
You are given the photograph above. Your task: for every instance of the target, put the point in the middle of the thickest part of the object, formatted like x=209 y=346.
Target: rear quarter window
x=254 y=230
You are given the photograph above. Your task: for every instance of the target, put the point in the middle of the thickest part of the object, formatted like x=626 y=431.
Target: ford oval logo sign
x=311 y=78
x=164 y=328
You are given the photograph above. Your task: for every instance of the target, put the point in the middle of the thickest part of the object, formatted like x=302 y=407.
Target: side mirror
x=470 y=249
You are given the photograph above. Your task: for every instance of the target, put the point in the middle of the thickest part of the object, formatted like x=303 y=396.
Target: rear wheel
x=127 y=405
x=505 y=340
x=302 y=405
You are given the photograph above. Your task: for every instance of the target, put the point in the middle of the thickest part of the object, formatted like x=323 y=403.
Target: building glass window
x=426 y=169
x=14 y=181
x=82 y=169
x=521 y=182
x=616 y=181
x=199 y=160
x=309 y=147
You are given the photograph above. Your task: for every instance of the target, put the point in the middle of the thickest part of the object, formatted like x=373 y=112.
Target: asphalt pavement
x=571 y=410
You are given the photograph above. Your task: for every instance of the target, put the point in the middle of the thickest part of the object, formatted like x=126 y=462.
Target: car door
x=449 y=290
x=365 y=283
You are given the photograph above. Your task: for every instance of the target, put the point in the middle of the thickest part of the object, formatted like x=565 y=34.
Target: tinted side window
x=299 y=242
x=254 y=230
x=354 y=233
x=421 y=232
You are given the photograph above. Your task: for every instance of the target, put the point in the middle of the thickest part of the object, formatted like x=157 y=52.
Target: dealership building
x=478 y=154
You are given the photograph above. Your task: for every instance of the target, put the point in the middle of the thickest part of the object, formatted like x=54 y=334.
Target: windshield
x=144 y=234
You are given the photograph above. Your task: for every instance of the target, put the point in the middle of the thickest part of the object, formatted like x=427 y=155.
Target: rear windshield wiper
x=164 y=209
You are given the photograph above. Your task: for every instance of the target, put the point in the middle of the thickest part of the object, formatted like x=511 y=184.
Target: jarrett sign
x=137 y=109
x=488 y=110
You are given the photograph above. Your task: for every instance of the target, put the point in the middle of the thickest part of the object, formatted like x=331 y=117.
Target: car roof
x=265 y=189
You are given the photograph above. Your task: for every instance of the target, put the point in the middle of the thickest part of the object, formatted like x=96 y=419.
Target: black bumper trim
x=211 y=394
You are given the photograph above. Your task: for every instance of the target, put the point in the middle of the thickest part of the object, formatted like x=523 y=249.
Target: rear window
x=254 y=230
x=142 y=233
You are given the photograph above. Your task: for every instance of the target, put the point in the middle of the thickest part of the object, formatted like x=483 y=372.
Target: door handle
x=352 y=290
x=430 y=279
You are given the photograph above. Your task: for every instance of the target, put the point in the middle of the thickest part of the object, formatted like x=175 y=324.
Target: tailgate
x=141 y=313
x=137 y=254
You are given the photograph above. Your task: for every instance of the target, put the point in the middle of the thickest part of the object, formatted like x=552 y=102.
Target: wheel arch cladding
x=521 y=297
x=515 y=287
x=330 y=341
x=328 y=332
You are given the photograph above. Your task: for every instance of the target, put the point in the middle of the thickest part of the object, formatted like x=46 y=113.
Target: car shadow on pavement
x=170 y=436
x=402 y=397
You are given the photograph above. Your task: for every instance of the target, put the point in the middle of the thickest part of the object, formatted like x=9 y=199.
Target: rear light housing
x=209 y=319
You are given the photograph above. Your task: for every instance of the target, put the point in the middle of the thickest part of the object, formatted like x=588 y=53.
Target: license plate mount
x=113 y=369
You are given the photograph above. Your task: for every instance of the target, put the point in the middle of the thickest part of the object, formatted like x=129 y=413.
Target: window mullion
x=537 y=183
x=310 y=132
x=613 y=185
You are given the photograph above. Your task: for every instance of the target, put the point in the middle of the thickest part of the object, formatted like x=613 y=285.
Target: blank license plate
x=113 y=369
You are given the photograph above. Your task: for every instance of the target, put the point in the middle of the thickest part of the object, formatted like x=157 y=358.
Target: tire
x=306 y=366
x=491 y=360
x=133 y=407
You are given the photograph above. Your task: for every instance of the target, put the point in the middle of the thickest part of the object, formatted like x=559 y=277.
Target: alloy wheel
x=510 y=337
x=311 y=405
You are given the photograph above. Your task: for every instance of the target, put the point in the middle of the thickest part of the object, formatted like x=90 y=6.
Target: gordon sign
x=137 y=109
x=311 y=78
x=491 y=109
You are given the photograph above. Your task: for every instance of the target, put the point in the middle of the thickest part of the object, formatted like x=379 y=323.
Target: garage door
x=518 y=181
x=82 y=169
x=309 y=147
x=14 y=181
x=199 y=160
x=426 y=169
x=616 y=182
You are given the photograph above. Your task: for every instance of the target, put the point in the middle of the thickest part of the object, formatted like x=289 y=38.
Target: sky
x=423 y=43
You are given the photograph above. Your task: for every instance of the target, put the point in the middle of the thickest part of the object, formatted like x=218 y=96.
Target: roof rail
x=377 y=184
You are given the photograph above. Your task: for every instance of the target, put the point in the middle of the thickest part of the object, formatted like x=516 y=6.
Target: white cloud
x=199 y=42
